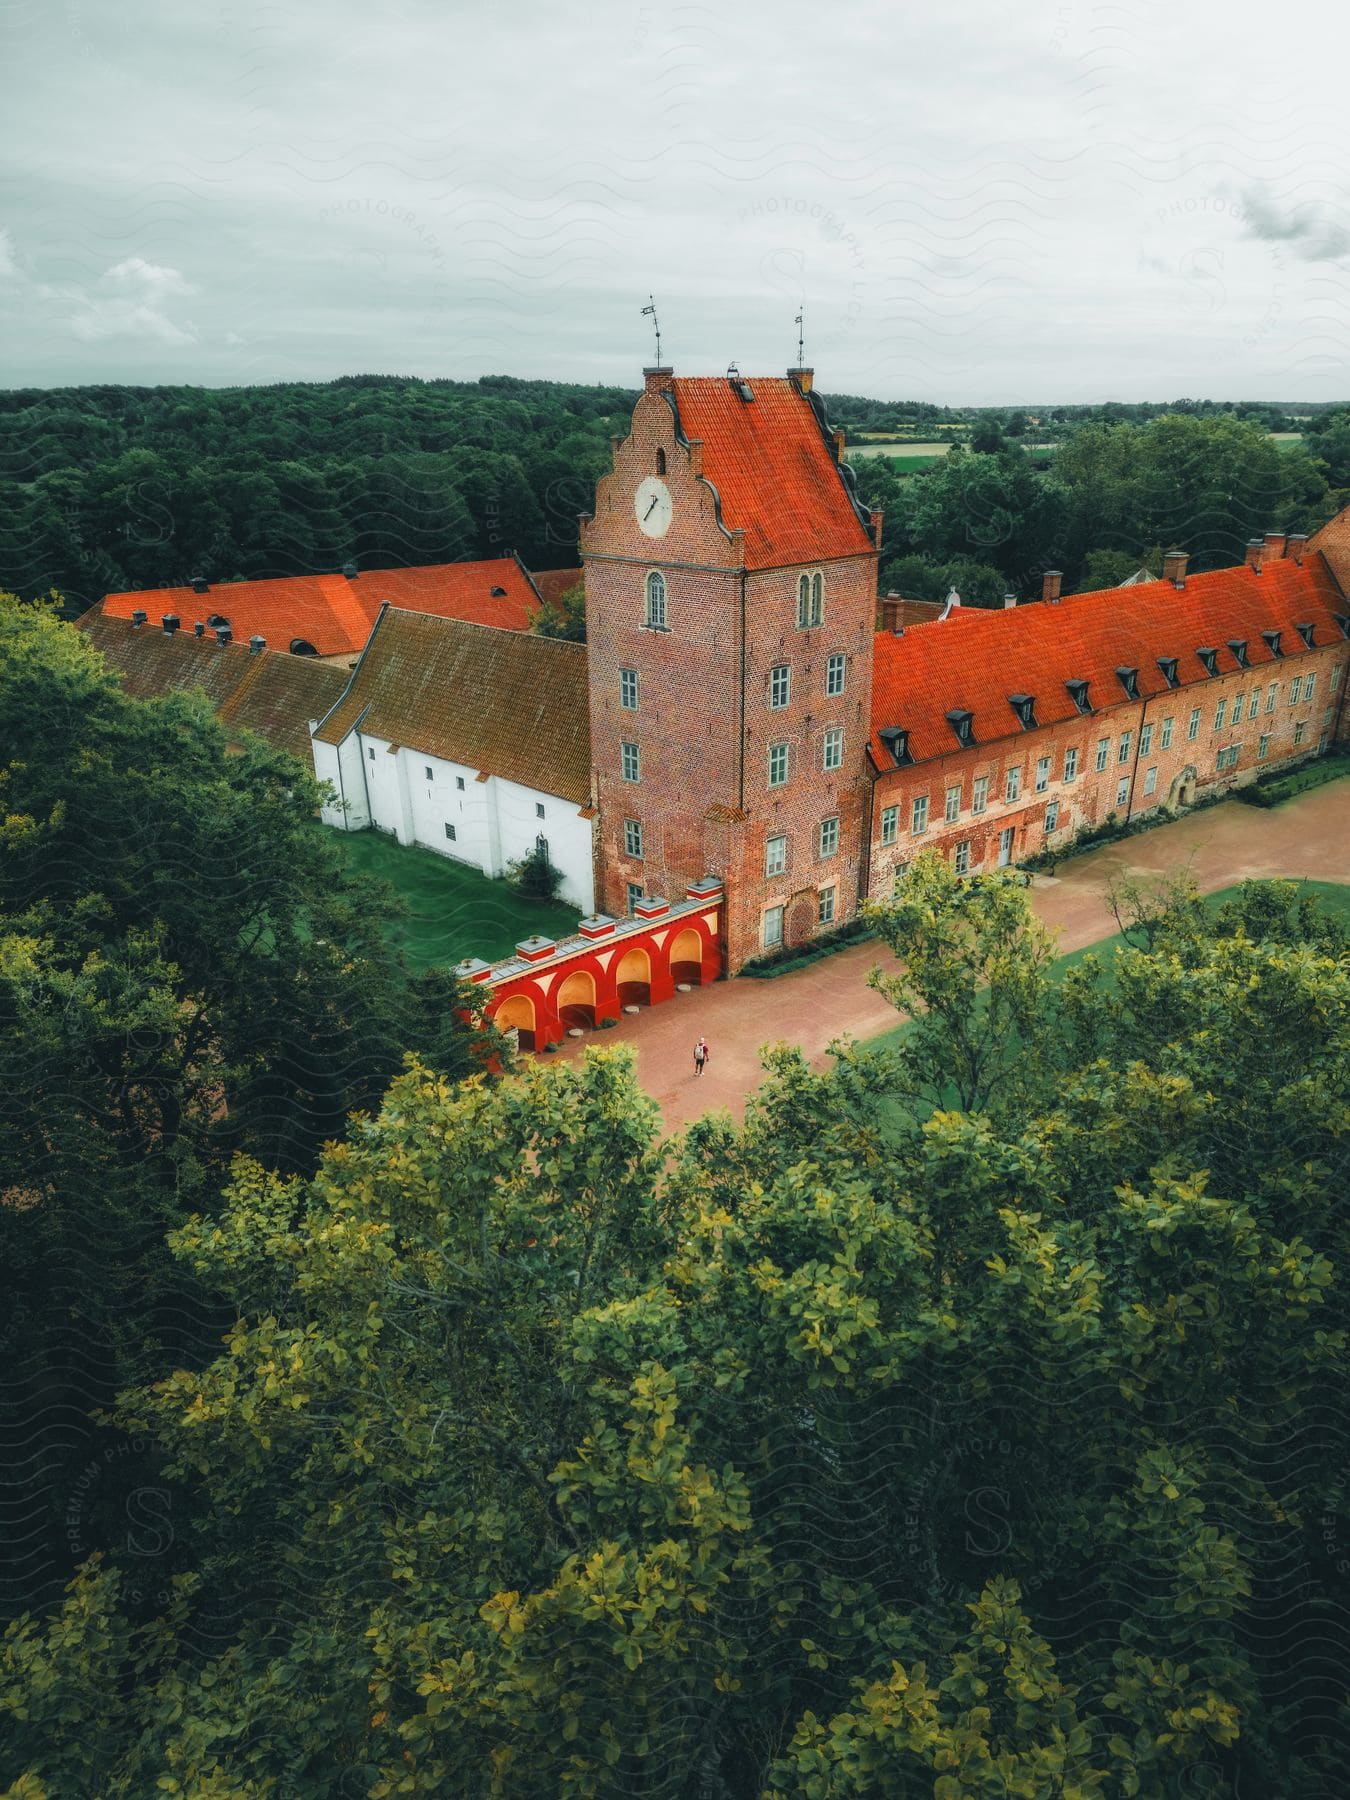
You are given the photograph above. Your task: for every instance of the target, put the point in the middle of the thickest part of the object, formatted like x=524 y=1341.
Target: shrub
x=534 y=876
x=787 y=957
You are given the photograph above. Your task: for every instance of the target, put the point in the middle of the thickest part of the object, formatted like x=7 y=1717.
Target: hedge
x=796 y=956
x=1274 y=788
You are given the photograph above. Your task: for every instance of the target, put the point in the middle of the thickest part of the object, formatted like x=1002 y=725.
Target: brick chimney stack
x=890 y=612
x=656 y=381
x=1050 y=586
x=1297 y=546
x=1275 y=542
x=1174 y=567
x=802 y=379
x=1009 y=600
x=1254 y=548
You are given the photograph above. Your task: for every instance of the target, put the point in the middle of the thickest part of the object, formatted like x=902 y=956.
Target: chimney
x=1275 y=542
x=223 y=634
x=200 y=585
x=1174 y=567
x=349 y=570
x=1009 y=601
x=137 y=619
x=1050 y=586
x=890 y=612
x=1297 y=546
x=255 y=644
x=199 y=629
x=657 y=380
x=170 y=623
x=1254 y=549
x=802 y=379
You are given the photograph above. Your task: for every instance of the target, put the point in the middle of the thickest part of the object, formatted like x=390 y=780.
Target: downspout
x=740 y=779
x=1134 y=766
x=865 y=856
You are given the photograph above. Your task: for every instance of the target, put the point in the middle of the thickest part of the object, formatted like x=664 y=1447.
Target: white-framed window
x=1103 y=753
x=817 y=598
x=826 y=913
x=918 y=818
x=775 y=856
x=1335 y=678
x=1151 y=780
x=1165 y=738
x=634 y=895
x=836 y=667
x=1263 y=747
x=1012 y=785
x=1272 y=695
x=431 y=773
x=450 y=833
x=1227 y=758
x=1299 y=731
x=1193 y=723
x=1219 y=712
x=951 y=806
x=810 y=600
x=1126 y=739
x=1237 y=708
x=773 y=927
x=539 y=810
x=1052 y=815
x=459 y=783
x=1042 y=774
x=979 y=793
x=829 y=836
x=628 y=689
x=1295 y=689
x=1309 y=683
x=1070 y=765
x=901 y=870
x=1122 y=790
x=778 y=765
x=630 y=762
x=1145 y=739
x=780 y=685
x=656 y=600
x=961 y=861
x=890 y=824
x=632 y=837
x=834 y=747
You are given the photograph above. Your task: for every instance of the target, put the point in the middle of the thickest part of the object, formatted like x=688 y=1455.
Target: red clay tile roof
x=774 y=472
x=975 y=659
x=273 y=693
x=554 y=583
x=503 y=702
x=336 y=614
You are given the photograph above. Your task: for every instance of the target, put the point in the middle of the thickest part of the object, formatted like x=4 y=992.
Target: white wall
x=340 y=765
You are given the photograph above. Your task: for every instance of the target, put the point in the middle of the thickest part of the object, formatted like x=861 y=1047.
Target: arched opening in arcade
x=634 y=978
x=686 y=959
x=576 y=1001
x=514 y=1018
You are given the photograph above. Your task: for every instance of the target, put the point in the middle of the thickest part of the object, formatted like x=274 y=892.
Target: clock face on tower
x=653 y=506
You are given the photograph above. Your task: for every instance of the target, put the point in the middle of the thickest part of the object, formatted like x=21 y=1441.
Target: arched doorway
x=801 y=919
x=516 y=1016
x=1182 y=791
x=634 y=978
x=576 y=1000
x=686 y=958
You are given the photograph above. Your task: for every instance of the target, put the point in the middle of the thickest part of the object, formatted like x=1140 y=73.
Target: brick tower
x=731 y=607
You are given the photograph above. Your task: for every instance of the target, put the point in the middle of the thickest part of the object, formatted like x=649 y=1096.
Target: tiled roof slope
x=335 y=613
x=554 y=583
x=272 y=693
x=774 y=472
x=975 y=659
x=502 y=702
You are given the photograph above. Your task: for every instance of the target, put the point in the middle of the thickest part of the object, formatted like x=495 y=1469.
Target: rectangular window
x=901 y=870
x=919 y=817
x=780 y=685
x=1237 y=708
x=1335 y=678
x=951 y=808
x=1042 y=774
x=1012 y=788
x=634 y=895
x=632 y=837
x=1299 y=730
x=431 y=773
x=1126 y=739
x=459 y=783
x=962 y=860
x=1103 y=753
x=773 y=927
x=1193 y=723
x=890 y=824
x=775 y=856
x=1295 y=689
x=1219 y=712
x=778 y=765
x=628 y=689
x=1272 y=693
x=539 y=809
x=1166 y=739
x=1263 y=747
x=827 y=906
x=1151 y=780
x=834 y=747
x=834 y=673
x=1309 y=682
x=632 y=762
x=1052 y=815
x=979 y=793
x=1070 y=765
x=450 y=833
x=1122 y=790
x=829 y=836
x=1145 y=739
x=371 y=754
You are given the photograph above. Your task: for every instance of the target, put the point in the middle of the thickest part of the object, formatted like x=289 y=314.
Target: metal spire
x=656 y=325
x=800 y=334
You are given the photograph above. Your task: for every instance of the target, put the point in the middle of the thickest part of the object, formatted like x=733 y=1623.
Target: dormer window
x=1273 y=642
x=1024 y=705
x=1239 y=648
x=1306 y=633
x=1078 y=693
x=962 y=723
x=499 y=593
x=1343 y=620
x=660 y=460
x=897 y=742
x=1168 y=665
x=302 y=647
x=1209 y=656
x=1129 y=680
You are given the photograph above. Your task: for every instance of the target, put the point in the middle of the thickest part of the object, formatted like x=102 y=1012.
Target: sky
x=983 y=205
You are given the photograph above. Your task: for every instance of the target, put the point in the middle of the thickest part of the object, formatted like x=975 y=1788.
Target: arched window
x=656 y=600
x=660 y=461
x=817 y=598
x=803 y=602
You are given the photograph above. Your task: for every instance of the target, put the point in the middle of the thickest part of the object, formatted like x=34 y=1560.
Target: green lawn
x=453 y=911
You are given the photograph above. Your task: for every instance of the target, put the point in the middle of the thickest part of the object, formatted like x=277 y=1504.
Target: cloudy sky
x=985 y=204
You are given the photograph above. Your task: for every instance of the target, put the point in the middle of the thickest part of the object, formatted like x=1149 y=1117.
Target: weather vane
x=800 y=337
x=650 y=307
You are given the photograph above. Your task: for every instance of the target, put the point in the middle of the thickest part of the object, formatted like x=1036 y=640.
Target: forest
x=968 y=1421
x=105 y=489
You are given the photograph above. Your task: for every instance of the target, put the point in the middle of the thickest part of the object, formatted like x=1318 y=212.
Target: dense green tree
x=1330 y=444
x=991 y=509
x=564 y=617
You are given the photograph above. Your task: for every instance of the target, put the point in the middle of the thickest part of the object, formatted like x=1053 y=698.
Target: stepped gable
x=973 y=660
x=775 y=472
x=503 y=702
x=334 y=613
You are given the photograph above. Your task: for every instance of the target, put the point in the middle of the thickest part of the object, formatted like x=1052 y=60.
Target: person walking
x=700 y=1055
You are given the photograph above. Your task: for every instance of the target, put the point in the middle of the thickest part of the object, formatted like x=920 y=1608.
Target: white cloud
x=129 y=303
x=139 y=276
x=9 y=268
